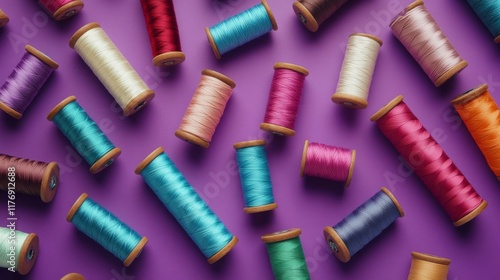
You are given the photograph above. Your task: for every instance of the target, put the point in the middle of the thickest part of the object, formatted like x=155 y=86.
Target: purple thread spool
x=25 y=81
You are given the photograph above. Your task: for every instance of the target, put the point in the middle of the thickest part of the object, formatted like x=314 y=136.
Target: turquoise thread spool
x=241 y=28
x=25 y=250
x=106 y=229
x=255 y=178
x=489 y=12
x=191 y=212
x=84 y=134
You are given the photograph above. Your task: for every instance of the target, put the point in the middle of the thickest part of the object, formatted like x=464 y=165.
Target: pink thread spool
x=206 y=108
x=61 y=9
x=327 y=162
x=284 y=99
x=4 y=19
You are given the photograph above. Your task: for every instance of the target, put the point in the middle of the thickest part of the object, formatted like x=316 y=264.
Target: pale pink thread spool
x=206 y=108
x=420 y=34
x=284 y=98
x=327 y=162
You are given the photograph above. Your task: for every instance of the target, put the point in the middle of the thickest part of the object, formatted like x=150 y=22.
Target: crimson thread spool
x=431 y=164
x=425 y=267
x=327 y=162
x=205 y=108
x=284 y=98
x=29 y=177
x=62 y=9
x=420 y=34
x=481 y=116
x=163 y=32
x=312 y=13
x=4 y=19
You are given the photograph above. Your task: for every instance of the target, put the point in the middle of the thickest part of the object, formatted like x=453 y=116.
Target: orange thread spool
x=424 y=267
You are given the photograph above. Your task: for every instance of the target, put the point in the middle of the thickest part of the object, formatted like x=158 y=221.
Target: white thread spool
x=357 y=70
x=111 y=67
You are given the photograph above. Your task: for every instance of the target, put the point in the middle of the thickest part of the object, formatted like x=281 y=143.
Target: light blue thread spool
x=241 y=28
x=255 y=177
x=489 y=12
x=193 y=214
x=106 y=229
x=84 y=134
x=364 y=224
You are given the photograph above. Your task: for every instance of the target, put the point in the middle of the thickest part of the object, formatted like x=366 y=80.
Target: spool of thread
x=26 y=250
x=4 y=19
x=489 y=12
x=363 y=225
x=327 y=162
x=424 y=266
x=84 y=134
x=23 y=84
x=284 y=99
x=206 y=108
x=357 y=71
x=31 y=177
x=312 y=13
x=481 y=116
x=111 y=67
x=431 y=164
x=255 y=176
x=188 y=208
x=73 y=276
x=286 y=255
x=420 y=34
x=106 y=229
x=163 y=32
x=241 y=28
x=62 y=9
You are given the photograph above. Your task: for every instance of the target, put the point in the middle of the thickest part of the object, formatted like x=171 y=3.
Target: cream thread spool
x=26 y=249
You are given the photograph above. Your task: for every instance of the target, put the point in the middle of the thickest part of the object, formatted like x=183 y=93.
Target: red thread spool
x=431 y=164
x=4 y=19
x=62 y=9
x=163 y=32
x=328 y=162
x=284 y=98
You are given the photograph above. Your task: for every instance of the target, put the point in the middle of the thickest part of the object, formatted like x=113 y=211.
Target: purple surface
x=310 y=204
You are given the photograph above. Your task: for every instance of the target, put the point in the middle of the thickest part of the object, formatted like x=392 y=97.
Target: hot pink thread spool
x=4 y=19
x=62 y=9
x=328 y=162
x=206 y=108
x=284 y=99
x=417 y=30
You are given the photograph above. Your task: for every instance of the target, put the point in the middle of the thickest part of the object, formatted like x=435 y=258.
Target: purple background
x=309 y=203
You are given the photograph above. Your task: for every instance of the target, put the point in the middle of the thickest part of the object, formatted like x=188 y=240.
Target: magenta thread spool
x=61 y=9
x=4 y=19
x=284 y=99
x=23 y=84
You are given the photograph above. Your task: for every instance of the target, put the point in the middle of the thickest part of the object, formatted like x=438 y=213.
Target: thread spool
x=255 y=176
x=431 y=164
x=31 y=177
x=241 y=28
x=26 y=250
x=106 y=229
x=422 y=37
x=205 y=108
x=312 y=13
x=73 y=276
x=327 y=162
x=425 y=266
x=163 y=32
x=62 y=9
x=363 y=225
x=4 y=19
x=84 y=134
x=284 y=99
x=188 y=208
x=489 y=12
x=481 y=116
x=286 y=255
x=357 y=71
x=111 y=67
x=23 y=84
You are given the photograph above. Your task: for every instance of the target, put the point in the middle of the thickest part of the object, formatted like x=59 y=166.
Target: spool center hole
x=30 y=254
x=302 y=18
x=70 y=13
x=53 y=182
x=169 y=62
x=140 y=105
x=333 y=246
x=109 y=162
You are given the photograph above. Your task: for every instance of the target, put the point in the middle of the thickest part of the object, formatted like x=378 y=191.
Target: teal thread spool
x=84 y=134
x=191 y=212
x=106 y=229
x=489 y=12
x=286 y=255
x=241 y=28
x=26 y=250
x=255 y=178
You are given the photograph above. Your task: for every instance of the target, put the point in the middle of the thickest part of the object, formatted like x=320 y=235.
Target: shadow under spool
x=424 y=267
x=64 y=11
x=313 y=13
x=73 y=276
x=29 y=252
x=4 y=19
